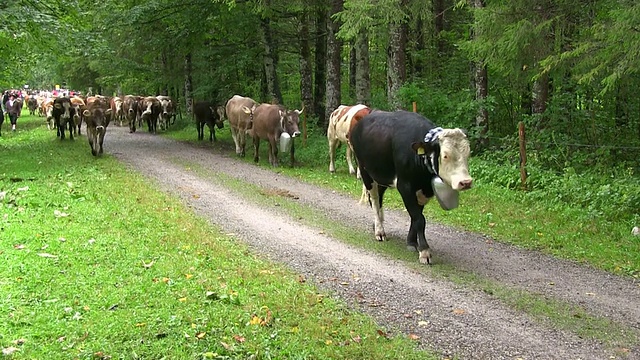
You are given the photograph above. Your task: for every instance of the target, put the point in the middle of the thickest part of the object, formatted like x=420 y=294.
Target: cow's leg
x=200 y=129
x=352 y=170
x=236 y=140
x=293 y=152
x=212 y=133
x=242 y=142
x=72 y=126
x=376 y=195
x=101 y=130
x=273 y=152
x=416 y=239
x=256 y=149
x=333 y=145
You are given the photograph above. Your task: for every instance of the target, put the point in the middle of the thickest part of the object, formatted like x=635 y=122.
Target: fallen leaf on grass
x=58 y=213
x=19 y=246
x=141 y=324
x=225 y=345
x=9 y=351
x=239 y=338
x=147 y=265
x=47 y=255
x=182 y=299
x=382 y=333
x=188 y=276
x=212 y=295
x=356 y=339
x=201 y=335
x=19 y=341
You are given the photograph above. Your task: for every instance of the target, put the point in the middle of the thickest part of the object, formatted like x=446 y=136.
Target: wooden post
x=415 y=107
x=523 y=156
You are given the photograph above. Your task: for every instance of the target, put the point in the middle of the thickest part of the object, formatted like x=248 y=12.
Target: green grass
x=506 y=215
x=550 y=311
x=97 y=263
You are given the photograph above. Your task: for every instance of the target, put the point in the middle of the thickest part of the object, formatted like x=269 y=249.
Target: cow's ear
x=108 y=112
x=57 y=106
x=86 y=113
x=422 y=148
x=246 y=110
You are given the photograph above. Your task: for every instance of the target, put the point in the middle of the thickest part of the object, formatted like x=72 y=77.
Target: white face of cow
x=454 y=159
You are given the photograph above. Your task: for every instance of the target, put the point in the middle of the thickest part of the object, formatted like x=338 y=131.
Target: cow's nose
x=466 y=184
x=297 y=133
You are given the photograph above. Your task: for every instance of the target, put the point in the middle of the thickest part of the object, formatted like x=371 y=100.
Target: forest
x=568 y=70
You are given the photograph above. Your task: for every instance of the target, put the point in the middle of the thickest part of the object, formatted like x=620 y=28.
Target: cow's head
x=64 y=107
x=289 y=121
x=215 y=117
x=445 y=152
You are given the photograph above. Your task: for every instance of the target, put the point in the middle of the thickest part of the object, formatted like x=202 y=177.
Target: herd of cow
x=392 y=149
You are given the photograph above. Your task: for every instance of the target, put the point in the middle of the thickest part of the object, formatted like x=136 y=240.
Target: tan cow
x=269 y=123
x=341 y=121
x=47 y=110
x=239 y=111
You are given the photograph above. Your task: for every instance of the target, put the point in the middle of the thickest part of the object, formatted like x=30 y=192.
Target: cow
x=63 y=115
x=239 y=111
x=341 y=122
x=32 y=104
x=79 y=106
x=167 y=111
x=150 y=111
x=97 y=116
x=407 y=151
x=269 y=122
x=130 y=110
x=47 y=110
x=205 y=113
x=117 y=112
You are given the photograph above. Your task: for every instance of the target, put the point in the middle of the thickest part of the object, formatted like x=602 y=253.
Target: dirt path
x=446 y=317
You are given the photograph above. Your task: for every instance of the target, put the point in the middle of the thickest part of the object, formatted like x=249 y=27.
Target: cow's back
x=237 y=117
x=266 y=121
x=382 y=143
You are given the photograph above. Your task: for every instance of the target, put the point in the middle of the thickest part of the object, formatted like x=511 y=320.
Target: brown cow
x=239 y=111
x=116 y=105
x=341 y=122
x=130 y=110
x=78 y=104
x=269 y=123
x=97 y=117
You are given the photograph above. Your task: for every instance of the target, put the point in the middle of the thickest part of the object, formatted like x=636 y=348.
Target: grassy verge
x=506 y=215
x=554 y=312
x=95 y=264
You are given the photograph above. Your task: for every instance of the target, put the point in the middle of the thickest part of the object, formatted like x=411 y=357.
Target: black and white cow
x=405 y=150
x=150 y=111
x=63 y=115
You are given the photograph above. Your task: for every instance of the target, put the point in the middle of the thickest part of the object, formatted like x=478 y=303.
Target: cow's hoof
x=94 y=153
x=381 y=236
x=425 y=257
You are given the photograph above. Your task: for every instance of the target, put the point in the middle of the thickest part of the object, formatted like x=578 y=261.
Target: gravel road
x=446 y=317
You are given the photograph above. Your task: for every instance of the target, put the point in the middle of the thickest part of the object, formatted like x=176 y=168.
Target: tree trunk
x=540 y=95
x=334 y=49
x=481 y=83
x=165 y=68
x=396 y=69
x=320 y=79
x=363 y=81
x=353 y=69
x=269 y=60
x=306 y=91
x=188 y=84
x=438 y=10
